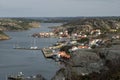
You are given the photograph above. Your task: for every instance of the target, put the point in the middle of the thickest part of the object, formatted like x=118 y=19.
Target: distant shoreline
x=15 y=24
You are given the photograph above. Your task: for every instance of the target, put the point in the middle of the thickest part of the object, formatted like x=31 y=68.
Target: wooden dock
x=22 y=48
x=47 y=52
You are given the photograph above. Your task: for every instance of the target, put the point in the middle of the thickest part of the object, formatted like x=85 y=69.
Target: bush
x=82 y=40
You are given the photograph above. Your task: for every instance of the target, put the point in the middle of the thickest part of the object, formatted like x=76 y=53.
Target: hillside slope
x=104 y=24
x=15 y=24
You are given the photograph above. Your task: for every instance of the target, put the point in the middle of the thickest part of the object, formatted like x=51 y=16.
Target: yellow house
x=113 y=30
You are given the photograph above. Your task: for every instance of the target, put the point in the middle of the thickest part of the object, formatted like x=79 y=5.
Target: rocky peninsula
x=15 y=24
x=89 y=50
x=3 y=36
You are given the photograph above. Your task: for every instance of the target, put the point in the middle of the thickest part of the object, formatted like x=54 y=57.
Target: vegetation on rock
x=15 y=24
x=105 y=24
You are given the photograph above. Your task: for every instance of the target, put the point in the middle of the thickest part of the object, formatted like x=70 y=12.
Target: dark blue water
x=30 y=62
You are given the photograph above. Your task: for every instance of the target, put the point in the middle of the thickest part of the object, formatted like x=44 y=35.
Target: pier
x=47 y=52
x=22 y=48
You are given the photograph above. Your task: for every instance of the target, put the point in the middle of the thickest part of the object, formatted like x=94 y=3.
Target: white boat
x=33 y=47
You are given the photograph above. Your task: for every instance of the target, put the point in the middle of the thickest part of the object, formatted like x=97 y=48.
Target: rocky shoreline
x=94 y=51
x=97 y=64
x=3 y=36
x=15 y=24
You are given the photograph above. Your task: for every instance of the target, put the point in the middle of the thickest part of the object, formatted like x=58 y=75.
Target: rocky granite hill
x=15 y=24
x=100 y=63
x=103 y=23
x=95 y=64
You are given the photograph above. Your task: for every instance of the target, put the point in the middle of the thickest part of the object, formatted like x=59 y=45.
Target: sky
x=59 y=8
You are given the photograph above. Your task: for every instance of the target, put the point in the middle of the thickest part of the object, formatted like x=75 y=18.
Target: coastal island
x=15 y=24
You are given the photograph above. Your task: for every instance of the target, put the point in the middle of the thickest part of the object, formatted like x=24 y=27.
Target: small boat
x=21 y=76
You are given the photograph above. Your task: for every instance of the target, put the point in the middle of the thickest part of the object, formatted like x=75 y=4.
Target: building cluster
x=43 y=34
x=77 y=41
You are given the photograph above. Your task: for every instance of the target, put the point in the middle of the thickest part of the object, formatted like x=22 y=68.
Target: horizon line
x=51 y=16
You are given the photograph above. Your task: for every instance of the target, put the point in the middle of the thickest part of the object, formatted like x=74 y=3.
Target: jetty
x=28 y=48
x=47 y=52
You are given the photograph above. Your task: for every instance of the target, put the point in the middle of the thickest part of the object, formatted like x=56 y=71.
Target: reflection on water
x=29 y=62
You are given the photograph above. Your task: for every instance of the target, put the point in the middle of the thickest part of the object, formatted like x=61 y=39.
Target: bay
x=30 y=62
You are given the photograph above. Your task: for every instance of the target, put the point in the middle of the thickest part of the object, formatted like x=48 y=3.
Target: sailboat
x=33 y=47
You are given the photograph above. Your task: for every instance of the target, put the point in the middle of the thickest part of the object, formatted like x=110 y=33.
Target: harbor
x=30 y=62
x=81 y=53
x=59 y=40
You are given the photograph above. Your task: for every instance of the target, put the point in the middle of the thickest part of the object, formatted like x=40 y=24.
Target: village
x=84 y=52
x=71 y=45
x=84 y=39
